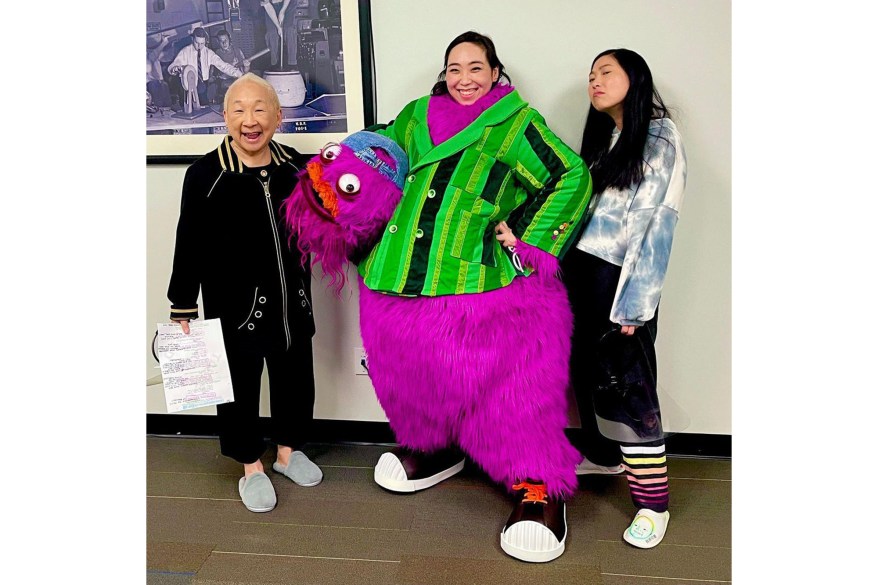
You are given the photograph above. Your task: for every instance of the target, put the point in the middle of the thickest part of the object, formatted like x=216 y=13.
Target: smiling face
x=252 y=118
x=607 y=87
x=467 y=73
x=641 y=527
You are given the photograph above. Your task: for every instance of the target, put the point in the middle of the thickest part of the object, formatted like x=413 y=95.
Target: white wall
x=547 y=48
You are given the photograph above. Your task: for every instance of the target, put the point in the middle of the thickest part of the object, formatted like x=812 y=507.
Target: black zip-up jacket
x=233 y=244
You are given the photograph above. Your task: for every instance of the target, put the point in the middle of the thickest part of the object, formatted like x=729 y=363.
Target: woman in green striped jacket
x=468 y=340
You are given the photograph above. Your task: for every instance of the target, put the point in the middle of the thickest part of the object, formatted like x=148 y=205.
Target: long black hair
x=484 y=42
x=623 y=165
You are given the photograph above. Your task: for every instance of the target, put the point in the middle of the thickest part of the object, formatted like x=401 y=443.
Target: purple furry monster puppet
x=324 y=210
x=486 y=372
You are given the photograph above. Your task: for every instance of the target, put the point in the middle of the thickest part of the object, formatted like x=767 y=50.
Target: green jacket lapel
x=503 y=109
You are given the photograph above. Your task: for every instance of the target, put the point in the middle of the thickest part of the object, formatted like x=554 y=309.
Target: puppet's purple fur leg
x=485 y=371
x=406 y=371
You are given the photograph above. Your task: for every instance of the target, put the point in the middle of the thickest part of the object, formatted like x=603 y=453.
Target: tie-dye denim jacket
x=633 y=228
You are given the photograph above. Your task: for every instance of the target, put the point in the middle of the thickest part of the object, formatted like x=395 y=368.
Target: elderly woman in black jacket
x=232 y=246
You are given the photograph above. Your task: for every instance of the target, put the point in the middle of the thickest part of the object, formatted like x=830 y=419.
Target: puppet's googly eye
x=330 y=152
x=349 y=184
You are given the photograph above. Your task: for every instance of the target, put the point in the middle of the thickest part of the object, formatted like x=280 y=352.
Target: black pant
x=291 y=381
x=591 y=286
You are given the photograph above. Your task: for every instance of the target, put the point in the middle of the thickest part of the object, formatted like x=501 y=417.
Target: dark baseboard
x=350 y=431
x=700 y=445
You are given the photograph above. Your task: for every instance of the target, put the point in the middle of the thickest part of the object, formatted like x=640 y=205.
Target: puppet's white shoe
x=403 y=470
x=537 y=528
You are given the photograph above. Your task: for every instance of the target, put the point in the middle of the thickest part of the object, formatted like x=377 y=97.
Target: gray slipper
x=257 y=493
x=301 y=470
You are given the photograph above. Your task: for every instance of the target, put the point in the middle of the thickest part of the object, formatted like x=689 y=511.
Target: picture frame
x=178 y=135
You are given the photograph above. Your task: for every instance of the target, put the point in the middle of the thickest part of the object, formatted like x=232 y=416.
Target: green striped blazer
x=505 y=166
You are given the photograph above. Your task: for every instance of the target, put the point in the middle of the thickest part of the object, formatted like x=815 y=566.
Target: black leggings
x=591 y=286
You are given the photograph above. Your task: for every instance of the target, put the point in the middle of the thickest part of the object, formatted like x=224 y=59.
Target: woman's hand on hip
x=504 y=235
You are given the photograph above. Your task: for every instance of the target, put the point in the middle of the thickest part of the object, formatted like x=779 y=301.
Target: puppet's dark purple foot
x=537 y=528
x=404 y=470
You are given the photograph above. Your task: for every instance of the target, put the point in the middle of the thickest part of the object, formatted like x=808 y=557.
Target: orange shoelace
x=536 y=492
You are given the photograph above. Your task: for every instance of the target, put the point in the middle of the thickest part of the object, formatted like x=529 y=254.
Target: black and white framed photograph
x=310 y=51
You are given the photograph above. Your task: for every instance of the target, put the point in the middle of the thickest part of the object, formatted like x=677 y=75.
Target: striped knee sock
x=647 y=471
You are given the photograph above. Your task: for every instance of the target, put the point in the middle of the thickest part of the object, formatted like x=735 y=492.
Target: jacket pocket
x=480 y=180
x=473 y=239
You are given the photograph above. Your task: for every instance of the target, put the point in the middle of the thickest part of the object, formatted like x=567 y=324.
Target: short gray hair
x=253 y=78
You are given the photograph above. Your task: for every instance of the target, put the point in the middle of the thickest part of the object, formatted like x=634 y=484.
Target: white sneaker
x=589 y=468
x=647 y=529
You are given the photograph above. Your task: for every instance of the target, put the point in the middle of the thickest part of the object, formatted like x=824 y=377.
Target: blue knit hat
x=363 y=143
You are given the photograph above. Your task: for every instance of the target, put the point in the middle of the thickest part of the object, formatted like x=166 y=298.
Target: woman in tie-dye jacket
x=615 y=274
